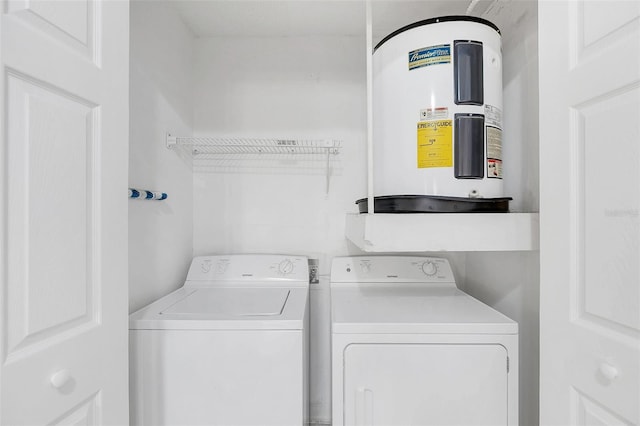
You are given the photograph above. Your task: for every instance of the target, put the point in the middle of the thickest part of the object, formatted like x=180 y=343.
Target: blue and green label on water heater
x=433 y=55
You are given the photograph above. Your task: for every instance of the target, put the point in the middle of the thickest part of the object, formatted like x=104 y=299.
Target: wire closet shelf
x=203 y=146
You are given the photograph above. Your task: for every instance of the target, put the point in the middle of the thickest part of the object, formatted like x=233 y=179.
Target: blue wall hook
x=147 y=195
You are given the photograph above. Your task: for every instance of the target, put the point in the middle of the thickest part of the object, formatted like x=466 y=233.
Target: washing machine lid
x=225 y=308
x=232 y=302
x=414 y=309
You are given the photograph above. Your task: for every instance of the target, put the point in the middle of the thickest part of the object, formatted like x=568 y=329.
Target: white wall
x=510 y=282
x=305 y=87
x=520 y=102
x=160 y=232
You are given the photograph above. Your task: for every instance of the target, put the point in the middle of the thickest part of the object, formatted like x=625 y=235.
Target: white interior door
x=589 y=222
x=64 y=156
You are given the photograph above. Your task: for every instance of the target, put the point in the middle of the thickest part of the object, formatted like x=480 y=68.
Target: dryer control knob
x=285 y=267
x=429 y=268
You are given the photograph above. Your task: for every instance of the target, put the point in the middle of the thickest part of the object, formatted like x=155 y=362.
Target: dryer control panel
x=389 y=269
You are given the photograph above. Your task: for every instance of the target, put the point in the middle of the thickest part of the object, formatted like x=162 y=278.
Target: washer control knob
x=285 y=267
x=429 y=268
x=205 y=266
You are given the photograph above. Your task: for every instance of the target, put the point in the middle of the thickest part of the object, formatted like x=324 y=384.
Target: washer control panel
x=404 y=269
x=248 y=268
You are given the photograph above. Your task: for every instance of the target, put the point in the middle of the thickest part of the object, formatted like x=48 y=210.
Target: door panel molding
x=586 y=411
x=595 y=27
x=48 y=127
x=615 y=215
x=72 y=23
x=86 y=413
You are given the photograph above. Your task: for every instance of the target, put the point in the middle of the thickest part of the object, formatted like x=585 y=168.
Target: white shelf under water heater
x=433 y=232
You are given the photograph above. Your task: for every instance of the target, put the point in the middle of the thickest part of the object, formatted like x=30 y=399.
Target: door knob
x=610 y=372
x=60 y=378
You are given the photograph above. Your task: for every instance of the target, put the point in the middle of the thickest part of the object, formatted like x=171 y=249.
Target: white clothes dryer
x=409 y=348
x=230 y=347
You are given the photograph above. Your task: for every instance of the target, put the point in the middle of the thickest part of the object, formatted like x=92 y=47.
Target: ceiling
x=291 y=18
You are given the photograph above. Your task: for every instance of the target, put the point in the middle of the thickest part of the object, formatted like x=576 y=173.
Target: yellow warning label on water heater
x=435 y=144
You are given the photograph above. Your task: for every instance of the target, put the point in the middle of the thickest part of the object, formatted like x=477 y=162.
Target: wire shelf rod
x=255 y=145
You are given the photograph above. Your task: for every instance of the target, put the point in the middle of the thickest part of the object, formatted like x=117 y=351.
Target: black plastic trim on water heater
x=468 y=77
x=468 y=146
x=439 y=19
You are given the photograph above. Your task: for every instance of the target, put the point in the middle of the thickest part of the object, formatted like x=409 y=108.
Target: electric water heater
x=437 y=114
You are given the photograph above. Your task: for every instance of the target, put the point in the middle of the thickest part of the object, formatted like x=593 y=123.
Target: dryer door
x=425 y=384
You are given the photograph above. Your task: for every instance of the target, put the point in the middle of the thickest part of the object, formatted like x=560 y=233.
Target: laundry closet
x=297 y=71
x=252 y=121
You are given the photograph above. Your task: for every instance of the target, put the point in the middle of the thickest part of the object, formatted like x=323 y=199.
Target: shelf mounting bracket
x=171 y=140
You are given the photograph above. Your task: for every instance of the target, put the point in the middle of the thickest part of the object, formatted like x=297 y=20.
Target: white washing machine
x=230 y=347
x=410 y=348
